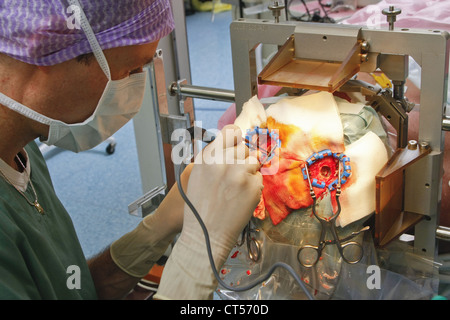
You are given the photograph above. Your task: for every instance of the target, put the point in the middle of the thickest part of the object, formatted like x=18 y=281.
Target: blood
x=324 y=170
x=265 y=144
x=286 y=190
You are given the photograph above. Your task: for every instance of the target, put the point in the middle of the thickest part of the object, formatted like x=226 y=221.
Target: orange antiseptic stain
x=260 y=211
x=287 y=190
x=285 y=131
x=318 y=142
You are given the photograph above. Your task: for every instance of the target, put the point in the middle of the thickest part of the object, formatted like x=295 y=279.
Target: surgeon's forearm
x=109 y=280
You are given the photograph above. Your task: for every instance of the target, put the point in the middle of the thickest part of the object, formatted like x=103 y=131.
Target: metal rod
x=201 y=92
x=443 y=233
x=446 y=124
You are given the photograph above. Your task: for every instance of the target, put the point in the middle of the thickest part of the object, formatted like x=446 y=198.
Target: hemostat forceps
x=254 y=146
x=253 y=247
x=267 y=154
x=351 y=252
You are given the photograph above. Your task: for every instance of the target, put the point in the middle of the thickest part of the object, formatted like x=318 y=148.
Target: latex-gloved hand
x=225 y=189
x=137 y=251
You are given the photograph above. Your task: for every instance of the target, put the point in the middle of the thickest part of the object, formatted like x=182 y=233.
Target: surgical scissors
x=253 y=247
x=351 y=252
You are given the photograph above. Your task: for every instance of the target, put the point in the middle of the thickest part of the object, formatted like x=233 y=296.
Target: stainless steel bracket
x=170 y=123
x=429 y=49
x=147 y=203
x=154 y=128
x=393 y=111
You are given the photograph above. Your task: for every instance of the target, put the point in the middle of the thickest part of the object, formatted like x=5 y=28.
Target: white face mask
x=120 y=101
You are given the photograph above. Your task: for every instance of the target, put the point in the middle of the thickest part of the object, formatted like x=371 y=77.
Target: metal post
x=185 y=90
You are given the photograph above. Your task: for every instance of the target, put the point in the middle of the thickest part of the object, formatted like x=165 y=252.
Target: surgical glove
x=225 y=189
x=137 y=251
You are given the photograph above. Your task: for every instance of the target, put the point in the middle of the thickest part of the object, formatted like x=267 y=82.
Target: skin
x=69 y=92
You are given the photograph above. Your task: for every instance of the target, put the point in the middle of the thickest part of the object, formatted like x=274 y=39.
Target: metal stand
x=327 y=42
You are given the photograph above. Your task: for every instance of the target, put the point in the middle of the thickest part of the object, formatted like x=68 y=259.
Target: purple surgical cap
x=42 y=32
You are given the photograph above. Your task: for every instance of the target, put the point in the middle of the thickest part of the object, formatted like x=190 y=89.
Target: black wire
x=286 y=10
x=307 y=10
x=311 y=17
x=327 y=18
x=299 y=18
x=211 y=260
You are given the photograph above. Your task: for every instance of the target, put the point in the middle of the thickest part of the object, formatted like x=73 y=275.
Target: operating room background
x=96 y=188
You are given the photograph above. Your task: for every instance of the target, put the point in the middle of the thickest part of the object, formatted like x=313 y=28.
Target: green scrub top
x=40 y=255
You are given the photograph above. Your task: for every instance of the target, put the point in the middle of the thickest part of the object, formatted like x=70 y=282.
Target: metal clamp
x=170 y=123
x=147 y=203
x=394 y=112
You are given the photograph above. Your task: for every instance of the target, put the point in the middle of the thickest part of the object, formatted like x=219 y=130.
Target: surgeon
x=71 y=74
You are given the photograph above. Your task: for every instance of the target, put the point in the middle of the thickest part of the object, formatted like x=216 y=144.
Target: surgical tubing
x=211 y=259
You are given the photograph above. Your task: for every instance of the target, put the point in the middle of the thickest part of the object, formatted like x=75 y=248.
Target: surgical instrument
x=253 y=246
x=274 y=142
x=257 y=281
x=351 y=252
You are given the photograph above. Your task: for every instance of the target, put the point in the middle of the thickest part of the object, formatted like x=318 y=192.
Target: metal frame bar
x=430 y=50
x=185 y=90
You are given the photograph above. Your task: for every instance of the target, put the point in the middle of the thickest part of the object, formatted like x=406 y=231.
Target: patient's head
x=328 y=136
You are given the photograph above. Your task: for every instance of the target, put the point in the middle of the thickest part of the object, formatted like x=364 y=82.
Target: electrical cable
x=298 y=18
x=211 y=260
x=307 y=10
x=286 y=14
x=309 y=16
x=326 y=18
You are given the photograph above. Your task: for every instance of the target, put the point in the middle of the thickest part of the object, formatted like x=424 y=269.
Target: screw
x=424 y=145
x=365 y=47
x=412 y=144
x=364 y=57
x=276 y=10
x=391 y=14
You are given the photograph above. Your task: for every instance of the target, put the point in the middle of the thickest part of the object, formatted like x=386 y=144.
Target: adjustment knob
x=276 y=10
x=391 y=14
